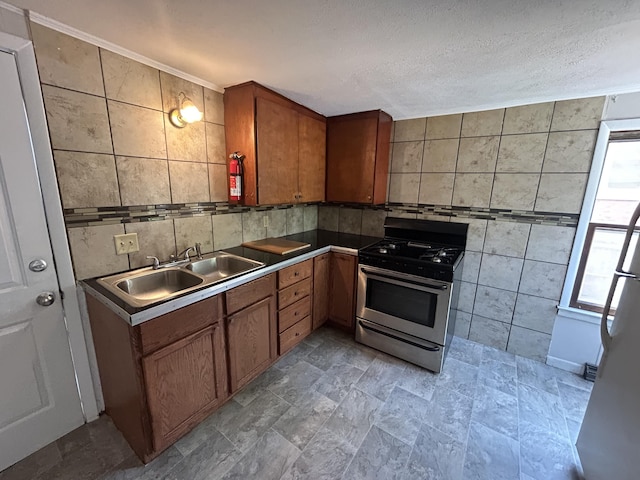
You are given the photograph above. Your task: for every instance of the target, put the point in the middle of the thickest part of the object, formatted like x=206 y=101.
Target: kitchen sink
x=146 y=286
x=222 y=265
x=158 y=284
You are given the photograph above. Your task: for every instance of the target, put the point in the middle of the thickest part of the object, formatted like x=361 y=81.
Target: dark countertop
x=319 y=239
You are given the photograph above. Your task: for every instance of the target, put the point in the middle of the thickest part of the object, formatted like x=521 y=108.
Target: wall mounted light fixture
x=186 y=112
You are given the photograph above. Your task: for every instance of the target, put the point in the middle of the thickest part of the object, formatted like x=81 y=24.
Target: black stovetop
x=418 y=247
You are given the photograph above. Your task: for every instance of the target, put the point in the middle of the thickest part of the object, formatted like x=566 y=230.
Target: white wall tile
x=409 y=130
x=489 y=332
x=528 y=343
x=550 y=243
x=494 y=303
x=542 y=279
x=507 y=238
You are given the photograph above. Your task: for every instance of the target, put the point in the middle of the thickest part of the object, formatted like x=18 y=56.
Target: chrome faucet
x=185 y=252
x=174 y=260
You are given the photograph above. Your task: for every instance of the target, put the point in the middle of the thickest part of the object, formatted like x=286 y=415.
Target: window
x=616 y=197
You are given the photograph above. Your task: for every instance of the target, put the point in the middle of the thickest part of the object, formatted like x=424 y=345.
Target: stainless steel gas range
x=408 y=289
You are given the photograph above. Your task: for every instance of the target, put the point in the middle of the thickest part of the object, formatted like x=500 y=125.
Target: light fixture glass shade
x=189 y=112
x=186 y=112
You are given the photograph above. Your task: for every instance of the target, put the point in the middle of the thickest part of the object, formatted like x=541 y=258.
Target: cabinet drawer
x=294 y=293
x=294 y=273
x=250 y=293
x=293 y=313
x=175 y=325
x=293 y=335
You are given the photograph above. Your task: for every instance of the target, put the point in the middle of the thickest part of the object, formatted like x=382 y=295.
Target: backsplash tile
x=188 y=143
x=216 y=149
x=227 y=230
x=213 y=107
x=156 y=239
x=500 y=272
x=507 y=238
x=77 y=121
x=94 y=252
x=473 y=189
x=561 y=192
x=515 y=190
x=436 y=188
x=440 y=155
x=192 y=230
x=478 y=154
x=129 y=81
x=580 y=114
x=409 y=130
x=445 y=126
x=494 y=303
x=143 y=181
x=189 y=182
x=407 y=157
x=528 y=118
x=570 y=152
x=480 y=124
x=489 y=332
x=67 y=62
x=171 y=86
x=86 y=179
x=137 y=131
x=522 y=153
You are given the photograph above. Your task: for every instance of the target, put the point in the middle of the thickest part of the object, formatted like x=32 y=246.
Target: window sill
x=582 y=315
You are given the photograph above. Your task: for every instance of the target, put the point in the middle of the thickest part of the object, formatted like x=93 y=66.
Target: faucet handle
x=198 y=247
x=186 y=253
x=156 y=262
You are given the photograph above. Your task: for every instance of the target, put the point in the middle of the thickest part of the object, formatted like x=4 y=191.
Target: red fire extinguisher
x=235 y=176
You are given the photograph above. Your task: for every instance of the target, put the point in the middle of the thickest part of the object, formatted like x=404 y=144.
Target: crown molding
x=73 y=32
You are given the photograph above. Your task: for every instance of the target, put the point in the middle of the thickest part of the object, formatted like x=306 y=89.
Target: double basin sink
x=145 y=286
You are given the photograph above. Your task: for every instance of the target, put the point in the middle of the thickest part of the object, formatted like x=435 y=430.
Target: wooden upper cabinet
x=358 y=157
x=284 y=144
x=312 y=141
x=277 y=141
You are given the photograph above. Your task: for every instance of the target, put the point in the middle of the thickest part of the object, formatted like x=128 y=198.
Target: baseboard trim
x=577 y=368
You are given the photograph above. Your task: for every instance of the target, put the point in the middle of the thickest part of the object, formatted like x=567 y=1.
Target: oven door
x=407 y=303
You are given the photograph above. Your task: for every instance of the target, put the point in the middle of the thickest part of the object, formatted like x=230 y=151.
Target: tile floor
x=333 y=409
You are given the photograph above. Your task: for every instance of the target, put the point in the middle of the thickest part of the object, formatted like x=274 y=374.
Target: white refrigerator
x=609 y=440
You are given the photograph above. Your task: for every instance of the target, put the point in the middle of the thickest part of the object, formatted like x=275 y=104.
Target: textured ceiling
x=409 y=57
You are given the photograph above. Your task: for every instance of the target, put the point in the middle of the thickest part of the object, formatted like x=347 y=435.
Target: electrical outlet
x=266 y=221
x=127 y=243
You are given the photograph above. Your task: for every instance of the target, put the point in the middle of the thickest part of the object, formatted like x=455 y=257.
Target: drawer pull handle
x=295 y=314
x=295 y=274
x=297 y=334
x=295 y=294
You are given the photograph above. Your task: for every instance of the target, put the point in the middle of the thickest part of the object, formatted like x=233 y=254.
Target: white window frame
x=606 y=129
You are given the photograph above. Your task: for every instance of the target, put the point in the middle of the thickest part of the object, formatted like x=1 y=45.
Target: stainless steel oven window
x=400 y=301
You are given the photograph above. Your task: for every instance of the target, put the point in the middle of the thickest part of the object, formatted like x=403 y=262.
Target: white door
x=39 y=400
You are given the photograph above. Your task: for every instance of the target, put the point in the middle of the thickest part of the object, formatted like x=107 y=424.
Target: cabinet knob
x=368 y=197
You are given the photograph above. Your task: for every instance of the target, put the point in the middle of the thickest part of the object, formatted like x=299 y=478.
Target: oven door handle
x=435 y=348
x=402 y=281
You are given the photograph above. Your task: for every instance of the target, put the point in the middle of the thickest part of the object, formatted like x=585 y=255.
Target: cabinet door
x=252 y=341
x=312 y=149
x=320 y=290
x=342 y=289
x=184 y=382
x=351 y=158
x=277 y=140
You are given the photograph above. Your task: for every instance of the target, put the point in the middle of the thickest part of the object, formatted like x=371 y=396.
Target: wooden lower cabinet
x=184 y=382
x=163 y=377
x=320 y=289
x=252 y=341
x=342 y=291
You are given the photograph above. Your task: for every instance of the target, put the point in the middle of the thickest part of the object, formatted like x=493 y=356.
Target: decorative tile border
x=520 y=216
x=85 y=217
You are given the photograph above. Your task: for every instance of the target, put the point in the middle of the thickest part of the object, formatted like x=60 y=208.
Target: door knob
x=38 y=265
x=46 y=298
